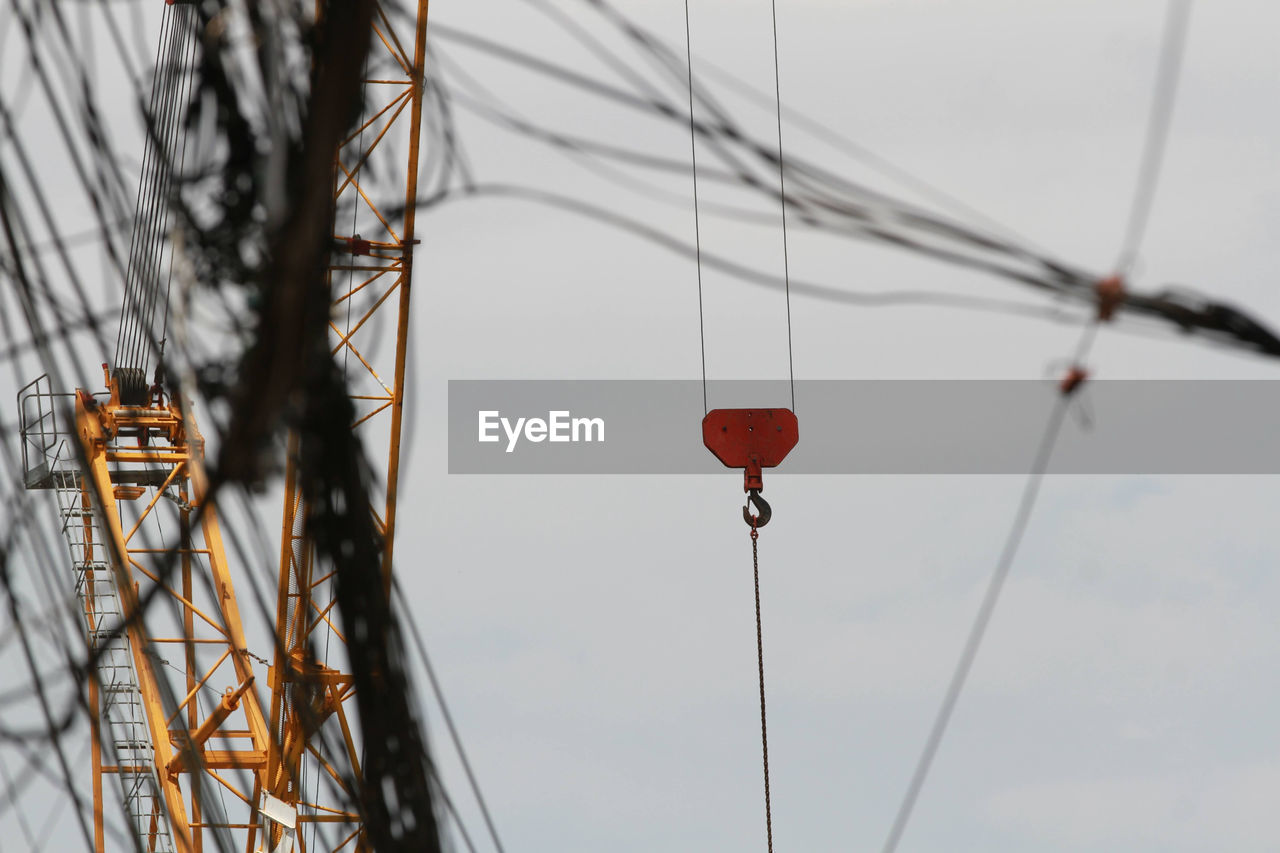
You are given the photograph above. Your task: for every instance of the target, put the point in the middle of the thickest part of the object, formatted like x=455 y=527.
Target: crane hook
x=766 y=511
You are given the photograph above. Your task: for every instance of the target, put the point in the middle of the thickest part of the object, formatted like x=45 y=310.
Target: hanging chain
x=764 y=726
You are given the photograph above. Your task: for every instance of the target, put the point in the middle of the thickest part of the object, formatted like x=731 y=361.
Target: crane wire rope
x=174 y=158
x=782 y=201
x=124 y=334
x=786 y=266
x=697 y=228
x=819 y=130
x=764 y=726
x=132 y=307
x=1173 y=44
x=165 y=144
x=185 y=98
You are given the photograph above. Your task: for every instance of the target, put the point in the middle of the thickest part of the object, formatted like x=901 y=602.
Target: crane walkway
x=51 y=464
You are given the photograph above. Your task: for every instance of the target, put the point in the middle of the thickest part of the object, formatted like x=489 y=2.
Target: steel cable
x=697 y=228
x=764 y=724
x=782 y=202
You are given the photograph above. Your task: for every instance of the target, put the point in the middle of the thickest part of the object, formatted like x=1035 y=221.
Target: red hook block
x=751 y=439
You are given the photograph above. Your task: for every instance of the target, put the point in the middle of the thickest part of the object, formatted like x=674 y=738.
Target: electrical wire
x=1174 y=39
x=32 y=288
x=977 y=631
x=833 y=203
x=8 y=800
x=1176 y=26
x=46 y=710
x=438 y=692
x=745 y=274
x=809 y=197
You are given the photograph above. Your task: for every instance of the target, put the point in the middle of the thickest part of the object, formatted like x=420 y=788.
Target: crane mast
x=370 y=277
x=179 y=722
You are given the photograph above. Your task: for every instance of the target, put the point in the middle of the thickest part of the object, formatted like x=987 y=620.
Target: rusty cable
x=764 y=726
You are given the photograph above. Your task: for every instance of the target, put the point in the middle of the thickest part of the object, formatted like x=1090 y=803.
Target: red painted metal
x=357 y=245
x=751 y=439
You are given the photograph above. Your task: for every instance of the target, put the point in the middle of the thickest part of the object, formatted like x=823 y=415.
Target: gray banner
x=868 y=426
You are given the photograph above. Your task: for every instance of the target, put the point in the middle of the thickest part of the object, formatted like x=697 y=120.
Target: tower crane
x=203 y=737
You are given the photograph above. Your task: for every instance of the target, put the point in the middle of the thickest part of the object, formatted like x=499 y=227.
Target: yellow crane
x=276 y=755
x=377 y=266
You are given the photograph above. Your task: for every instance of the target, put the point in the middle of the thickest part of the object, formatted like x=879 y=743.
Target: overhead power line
x=829 y=202
x=1172 y=45
x=1176 y=25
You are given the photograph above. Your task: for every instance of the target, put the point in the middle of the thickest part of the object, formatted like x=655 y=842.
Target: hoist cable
x=764 y=725
x=142 y=262
x=158 y=129
x=125 y=332
x=175 y=155
x=188 y=83
x=791 y=373
x=755 y=533
x=170 y=89
x=697 y=230
x=782 y=199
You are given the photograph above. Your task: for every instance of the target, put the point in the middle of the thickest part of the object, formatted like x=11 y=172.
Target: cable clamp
x=1074 y=378
x=1111 y=294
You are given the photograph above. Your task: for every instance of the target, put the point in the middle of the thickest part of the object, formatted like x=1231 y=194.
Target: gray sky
x=595 y=634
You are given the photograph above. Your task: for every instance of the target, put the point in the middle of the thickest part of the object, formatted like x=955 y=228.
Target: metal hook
x=766 y=511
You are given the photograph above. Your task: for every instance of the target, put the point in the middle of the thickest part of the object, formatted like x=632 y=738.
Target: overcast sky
x=595 y=634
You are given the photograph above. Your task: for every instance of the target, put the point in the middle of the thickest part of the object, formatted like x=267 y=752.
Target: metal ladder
x=123 y=715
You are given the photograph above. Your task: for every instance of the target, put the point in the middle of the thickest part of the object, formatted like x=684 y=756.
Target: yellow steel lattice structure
x=199 y=733
x=370 y=281
x=178 y=718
